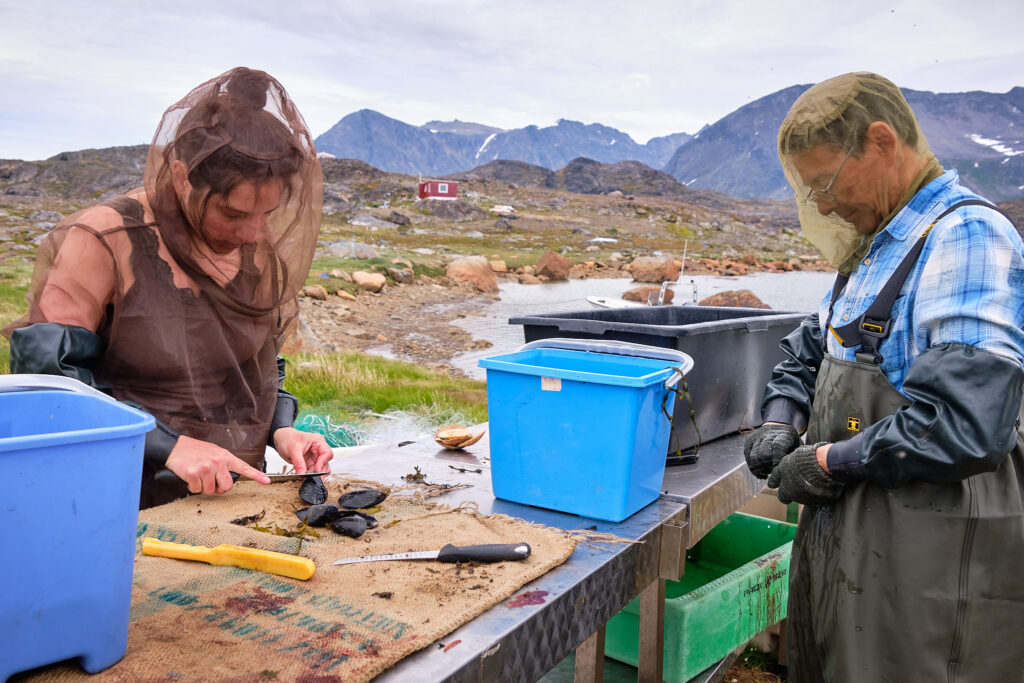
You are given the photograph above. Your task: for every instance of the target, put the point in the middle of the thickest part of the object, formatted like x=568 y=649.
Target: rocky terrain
x=510 y=217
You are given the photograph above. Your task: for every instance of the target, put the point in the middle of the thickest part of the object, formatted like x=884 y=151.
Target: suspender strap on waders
x=870 y=329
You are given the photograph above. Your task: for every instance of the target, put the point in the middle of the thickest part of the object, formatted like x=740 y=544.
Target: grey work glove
x=799 y=478
x=767 y=445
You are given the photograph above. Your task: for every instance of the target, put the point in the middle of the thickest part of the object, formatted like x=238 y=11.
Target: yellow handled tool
x=234 y=556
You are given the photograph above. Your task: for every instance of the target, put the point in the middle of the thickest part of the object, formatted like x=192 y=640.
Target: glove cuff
x=807 y=464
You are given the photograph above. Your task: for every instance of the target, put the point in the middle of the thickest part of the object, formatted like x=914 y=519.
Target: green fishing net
x=337 y=435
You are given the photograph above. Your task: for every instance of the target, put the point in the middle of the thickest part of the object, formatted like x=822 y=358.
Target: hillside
x=978 y=133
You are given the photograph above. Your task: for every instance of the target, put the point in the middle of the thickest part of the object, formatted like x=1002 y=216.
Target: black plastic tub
x=734 y=351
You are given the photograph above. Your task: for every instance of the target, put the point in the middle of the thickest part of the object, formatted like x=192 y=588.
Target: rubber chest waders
x=902 y=584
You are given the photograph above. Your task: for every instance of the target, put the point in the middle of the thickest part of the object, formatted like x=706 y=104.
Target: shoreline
x=447 y=327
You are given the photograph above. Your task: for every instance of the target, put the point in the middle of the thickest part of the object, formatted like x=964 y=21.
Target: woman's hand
x=306 y=451
x=207 y=468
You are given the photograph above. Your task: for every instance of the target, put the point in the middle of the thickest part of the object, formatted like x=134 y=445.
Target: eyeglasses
x=826 y=195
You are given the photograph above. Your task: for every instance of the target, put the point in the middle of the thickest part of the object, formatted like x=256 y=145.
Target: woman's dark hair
x=231 y=138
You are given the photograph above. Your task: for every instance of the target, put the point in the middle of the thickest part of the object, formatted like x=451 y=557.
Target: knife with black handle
x=169 y=478
x=491 y=552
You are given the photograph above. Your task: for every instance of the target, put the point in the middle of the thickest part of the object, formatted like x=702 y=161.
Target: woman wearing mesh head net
x=176 y=297
x=908 y=381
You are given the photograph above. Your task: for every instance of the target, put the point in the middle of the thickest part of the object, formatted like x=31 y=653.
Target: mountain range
x=440 y=148
x=980 y=134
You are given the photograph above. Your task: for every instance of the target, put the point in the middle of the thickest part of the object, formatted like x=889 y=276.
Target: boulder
x=372 y=282
x=339 y=274
x=553 y=266
x=370 y=221
x=654 y=269
x=578 y=272
x=346 y=295
x=399 y=218
x=503 y=224
x=314 y=292
x=401 y=276
x=349 y=249
x=499 y=266
x=474 y=270
x=302 y=339
x=648 y=295
x=527 y=279
x=739 y=298
x=43 y=216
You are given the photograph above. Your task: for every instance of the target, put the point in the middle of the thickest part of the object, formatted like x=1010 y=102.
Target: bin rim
x=566 y=321
x=504 y=362
x=684 y=362
x=141 y=423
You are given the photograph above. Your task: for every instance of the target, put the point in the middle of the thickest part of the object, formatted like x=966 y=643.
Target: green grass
x=14 y=280
x=347 y=386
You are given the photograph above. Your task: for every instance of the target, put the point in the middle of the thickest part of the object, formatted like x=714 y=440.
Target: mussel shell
x=319 y=515
x=371 y=521
x=352 y=526
x=313 y=491
x=362 y=498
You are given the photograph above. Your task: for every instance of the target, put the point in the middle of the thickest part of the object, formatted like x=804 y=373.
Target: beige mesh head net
x=191 y=281
x=850 y=174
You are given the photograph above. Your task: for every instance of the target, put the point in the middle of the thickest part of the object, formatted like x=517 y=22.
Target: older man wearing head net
x=908 y=382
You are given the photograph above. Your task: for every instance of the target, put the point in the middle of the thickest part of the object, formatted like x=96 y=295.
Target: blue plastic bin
x=579 y=431
x=71 y=466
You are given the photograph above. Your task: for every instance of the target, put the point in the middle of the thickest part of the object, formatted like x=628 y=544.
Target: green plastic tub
x=735 y=586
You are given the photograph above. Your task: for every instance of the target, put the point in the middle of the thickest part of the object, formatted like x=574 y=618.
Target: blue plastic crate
x=71 y=466
x=578 y=431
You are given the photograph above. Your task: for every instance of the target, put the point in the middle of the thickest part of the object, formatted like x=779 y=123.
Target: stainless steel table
x=582 y=594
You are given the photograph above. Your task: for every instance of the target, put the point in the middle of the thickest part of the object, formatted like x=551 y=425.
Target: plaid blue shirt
x=967 y=286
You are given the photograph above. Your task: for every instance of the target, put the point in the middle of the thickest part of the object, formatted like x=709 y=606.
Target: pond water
x=794 y=291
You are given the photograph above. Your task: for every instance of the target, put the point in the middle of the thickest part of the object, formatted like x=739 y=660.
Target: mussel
x=318 y=515
x=361 y=499
x=313 y=491
x=352 y=526
x=371 y=521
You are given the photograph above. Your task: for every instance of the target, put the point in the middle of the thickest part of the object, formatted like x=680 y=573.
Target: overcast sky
x=80 y=74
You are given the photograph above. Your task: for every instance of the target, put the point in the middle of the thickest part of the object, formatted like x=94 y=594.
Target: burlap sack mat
x=194 y=621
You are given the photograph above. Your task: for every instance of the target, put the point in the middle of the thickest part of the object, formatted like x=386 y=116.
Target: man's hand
x=306 y=451
x=767 y=445
x=800 y=478
x=207 y=468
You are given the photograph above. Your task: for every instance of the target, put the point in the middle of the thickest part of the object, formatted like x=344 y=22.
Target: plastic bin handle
x=26 y=382
x=683 y=361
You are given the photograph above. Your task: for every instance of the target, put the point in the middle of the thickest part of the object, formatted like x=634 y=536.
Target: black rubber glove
x=799 y=478
x=767 y=445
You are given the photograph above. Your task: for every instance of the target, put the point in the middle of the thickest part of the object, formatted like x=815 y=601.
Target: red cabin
x=439 y=189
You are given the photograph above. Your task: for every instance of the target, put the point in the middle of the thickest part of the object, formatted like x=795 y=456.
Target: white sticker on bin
x=550 y=384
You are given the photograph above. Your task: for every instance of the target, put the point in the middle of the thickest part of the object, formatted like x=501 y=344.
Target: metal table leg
x=652 y=632
x=590 y=659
